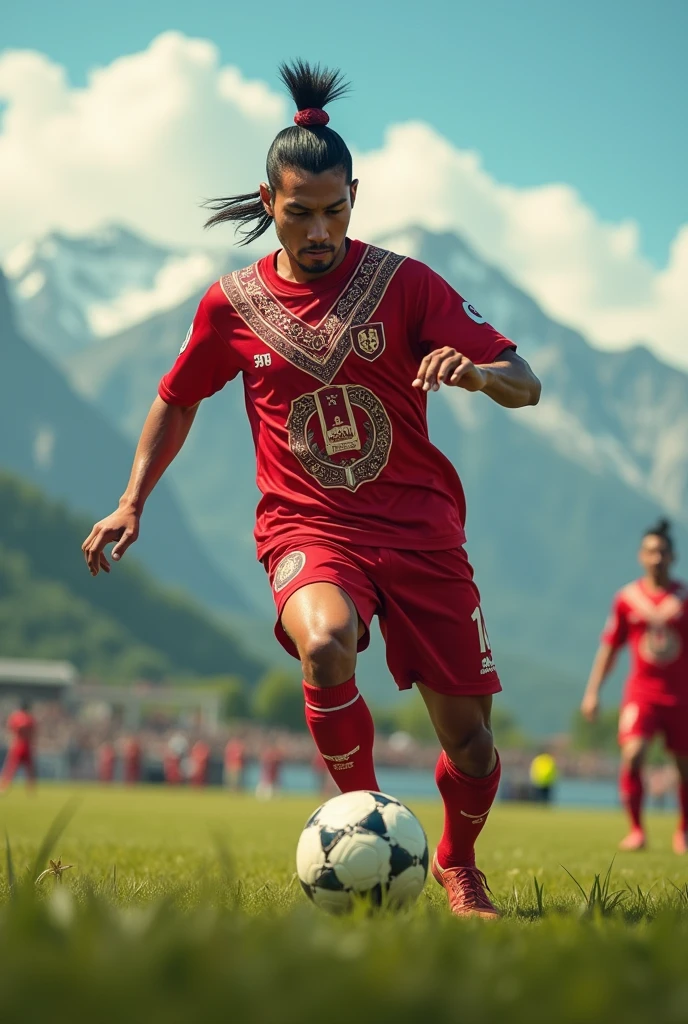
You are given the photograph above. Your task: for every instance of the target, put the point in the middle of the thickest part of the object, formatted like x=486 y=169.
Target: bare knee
x=328 y=656
x=633 y=756
x=471 y=749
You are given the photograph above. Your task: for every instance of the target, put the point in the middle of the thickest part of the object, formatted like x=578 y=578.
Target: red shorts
x=19 y=755
x=645 y=719
x=426 y=601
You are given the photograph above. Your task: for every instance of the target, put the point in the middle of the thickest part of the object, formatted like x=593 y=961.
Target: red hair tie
x=311 y=116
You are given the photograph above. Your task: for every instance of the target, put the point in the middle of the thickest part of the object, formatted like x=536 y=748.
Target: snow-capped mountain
x=620 y=413
x=53 y=437
x=70 y=292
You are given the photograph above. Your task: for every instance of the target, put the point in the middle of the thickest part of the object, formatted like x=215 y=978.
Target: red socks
x=343 y=730
x=683 y=805
x=467 y=802
x=631 y=790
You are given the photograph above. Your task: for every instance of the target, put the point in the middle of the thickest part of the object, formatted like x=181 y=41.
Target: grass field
x=182 y=906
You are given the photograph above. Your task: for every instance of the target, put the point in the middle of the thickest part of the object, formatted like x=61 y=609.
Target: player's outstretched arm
x=509 y=381
x=162 y=437
x=601 y=667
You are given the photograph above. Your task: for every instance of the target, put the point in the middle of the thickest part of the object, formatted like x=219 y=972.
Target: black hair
x=313 y=148
x=662 y=528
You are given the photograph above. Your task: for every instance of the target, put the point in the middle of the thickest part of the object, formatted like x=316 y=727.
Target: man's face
x=655 y=554
x=311 y=214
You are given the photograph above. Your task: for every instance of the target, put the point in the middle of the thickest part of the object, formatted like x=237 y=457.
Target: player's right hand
x=590 y=707
x=120 y=528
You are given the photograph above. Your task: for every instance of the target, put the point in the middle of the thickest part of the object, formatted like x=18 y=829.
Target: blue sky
x=592 y=93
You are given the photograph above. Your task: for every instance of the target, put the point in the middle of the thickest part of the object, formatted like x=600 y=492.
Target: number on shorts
x=484 y=639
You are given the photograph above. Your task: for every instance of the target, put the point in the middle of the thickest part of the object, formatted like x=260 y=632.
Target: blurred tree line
x=277 y=700
x=131 y=628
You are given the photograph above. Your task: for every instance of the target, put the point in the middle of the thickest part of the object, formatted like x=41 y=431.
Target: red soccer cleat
x=634 y=841
x=679 y=843
x=467 y=890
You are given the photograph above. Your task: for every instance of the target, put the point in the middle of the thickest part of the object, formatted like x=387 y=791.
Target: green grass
x=182 y=906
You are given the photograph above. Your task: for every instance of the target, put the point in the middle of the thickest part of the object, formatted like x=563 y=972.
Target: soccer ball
x=362 y=845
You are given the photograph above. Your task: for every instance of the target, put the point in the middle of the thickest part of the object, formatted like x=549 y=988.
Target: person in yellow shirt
x=543 y=775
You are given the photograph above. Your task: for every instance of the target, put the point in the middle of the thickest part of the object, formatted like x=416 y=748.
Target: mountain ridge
x=55 y=438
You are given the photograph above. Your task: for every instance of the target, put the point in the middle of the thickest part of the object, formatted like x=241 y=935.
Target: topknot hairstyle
x=308 y=145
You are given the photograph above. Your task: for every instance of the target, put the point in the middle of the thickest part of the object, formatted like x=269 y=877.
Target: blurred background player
x=173 y=759
x=131 y=760
x=339 y=344
x=235 y=763
x=651 y=615
x=543 y=776
x=271 y=761
x=21 y=726
x=199 y=763
x=107 y=758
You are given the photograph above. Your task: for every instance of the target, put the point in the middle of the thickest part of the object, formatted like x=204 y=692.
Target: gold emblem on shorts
x=288 y=567
x=368 y=340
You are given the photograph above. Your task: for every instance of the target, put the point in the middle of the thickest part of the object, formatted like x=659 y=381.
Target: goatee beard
x=317 y=269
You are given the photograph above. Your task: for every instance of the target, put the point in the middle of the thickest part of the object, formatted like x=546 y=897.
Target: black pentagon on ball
x=373 y=822
x=375 y=895
x=313 y=820
x=383 y=801
x=329 y=837
x=399 y=860
x=308 y=889
x=327 y=879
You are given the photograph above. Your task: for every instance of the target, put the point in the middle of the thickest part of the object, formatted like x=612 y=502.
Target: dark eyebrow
x=293 y=205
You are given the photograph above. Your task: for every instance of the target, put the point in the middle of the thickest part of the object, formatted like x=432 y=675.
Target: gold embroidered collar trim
x=320 y=350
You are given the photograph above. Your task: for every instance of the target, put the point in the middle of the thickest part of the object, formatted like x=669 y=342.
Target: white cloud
x=155 y=132
x=144 y=142
x=586 y=272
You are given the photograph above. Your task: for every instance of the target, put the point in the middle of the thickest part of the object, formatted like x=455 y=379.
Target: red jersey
x=341 y=436
x=23 y=726
x=655 y=624
x=235 y=755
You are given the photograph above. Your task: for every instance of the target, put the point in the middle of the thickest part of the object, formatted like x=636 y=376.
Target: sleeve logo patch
x=473 y=313
x=187 y=339
x=288 y=568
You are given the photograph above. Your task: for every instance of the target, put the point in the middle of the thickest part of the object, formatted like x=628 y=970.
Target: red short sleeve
x=205 y=362
x=445 y=318
x=615 y=632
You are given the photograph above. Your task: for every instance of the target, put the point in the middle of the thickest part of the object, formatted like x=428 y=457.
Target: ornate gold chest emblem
x=341 y=435
x=660 y=645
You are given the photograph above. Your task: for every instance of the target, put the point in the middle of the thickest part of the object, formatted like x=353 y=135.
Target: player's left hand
x=447 y=366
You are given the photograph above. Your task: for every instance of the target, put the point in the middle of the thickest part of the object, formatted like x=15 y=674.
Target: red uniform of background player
x=22 y=727
x=199 y=758
x=131 y=760
x=338 y=344
x=235 y=763
x=651 y=616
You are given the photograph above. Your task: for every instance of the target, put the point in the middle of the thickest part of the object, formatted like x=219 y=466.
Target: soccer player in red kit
x=22 y=727
x=339 y=343
x=651 y=615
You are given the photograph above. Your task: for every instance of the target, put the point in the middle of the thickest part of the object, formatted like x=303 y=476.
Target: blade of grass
x=10 y=865
x=57 y=827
